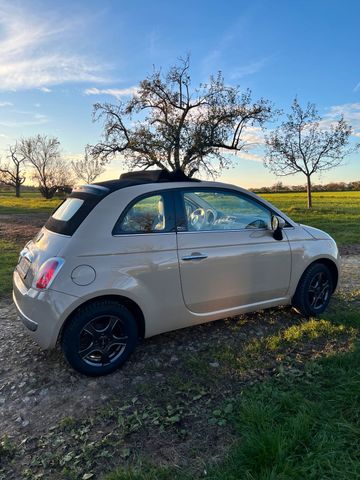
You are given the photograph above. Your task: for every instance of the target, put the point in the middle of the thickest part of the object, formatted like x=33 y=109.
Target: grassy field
x=338 y=213
x=28 y=203
x=8 y=259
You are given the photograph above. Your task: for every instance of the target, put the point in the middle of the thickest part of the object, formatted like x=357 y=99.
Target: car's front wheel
x=99 y=338
x=313 y=293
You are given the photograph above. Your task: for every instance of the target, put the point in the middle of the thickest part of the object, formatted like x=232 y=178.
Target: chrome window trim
x=233 y=230
x=142 y=234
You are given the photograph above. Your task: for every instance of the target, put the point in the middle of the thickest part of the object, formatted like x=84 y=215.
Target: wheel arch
x=132 y=306
x=330 y=264
x=333 y=270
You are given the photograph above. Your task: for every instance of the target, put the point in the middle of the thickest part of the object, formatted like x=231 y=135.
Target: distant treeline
x=276 y=188
x=32 y=189
x=328 y=187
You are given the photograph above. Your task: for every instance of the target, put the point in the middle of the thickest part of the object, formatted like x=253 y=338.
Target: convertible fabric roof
x=150 y=176
x=94 y=193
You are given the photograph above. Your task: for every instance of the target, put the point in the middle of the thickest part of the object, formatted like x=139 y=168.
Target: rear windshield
x=67 y=209
x=72 y=212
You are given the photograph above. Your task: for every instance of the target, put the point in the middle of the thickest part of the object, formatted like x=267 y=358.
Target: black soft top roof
x=94 y=193
x=150 y=176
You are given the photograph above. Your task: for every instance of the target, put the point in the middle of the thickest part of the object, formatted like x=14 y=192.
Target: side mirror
x=277 y=224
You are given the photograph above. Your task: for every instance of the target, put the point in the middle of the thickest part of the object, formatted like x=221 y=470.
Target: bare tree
x=50 y=171
x=304 y=144
x=12 y=171
x=87 y=169
x=170 y=125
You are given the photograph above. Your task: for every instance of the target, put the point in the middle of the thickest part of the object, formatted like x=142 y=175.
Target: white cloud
x=26 y=119
x=34 y=51
x=6 y=104
x=248 y=69
x=251 y=156
x=350 y=112
x=45 y=89
x=253 y=136
x=115 y=92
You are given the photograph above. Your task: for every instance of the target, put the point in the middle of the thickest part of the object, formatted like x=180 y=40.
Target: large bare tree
x=12 y=171
x=87 y=169
x=305 y=143
x=170 y=125
x=50 y=171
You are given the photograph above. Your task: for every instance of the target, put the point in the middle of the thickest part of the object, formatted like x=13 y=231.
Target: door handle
x=195 y=256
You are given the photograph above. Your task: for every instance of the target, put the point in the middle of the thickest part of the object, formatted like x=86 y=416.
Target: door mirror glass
x=277 y=224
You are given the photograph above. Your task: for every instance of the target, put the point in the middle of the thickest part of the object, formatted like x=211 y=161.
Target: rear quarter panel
x=141 y=267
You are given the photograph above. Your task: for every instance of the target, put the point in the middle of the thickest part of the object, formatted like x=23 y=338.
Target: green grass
x=338 y=213
x=301 y=423
x=294 y=426
x=29 y=202
x=9 y=256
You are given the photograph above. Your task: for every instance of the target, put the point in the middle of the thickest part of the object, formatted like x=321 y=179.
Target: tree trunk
x=308 y=189
x=17 y=190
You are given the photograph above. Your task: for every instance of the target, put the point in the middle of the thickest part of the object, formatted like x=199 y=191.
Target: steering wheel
x=197 y=219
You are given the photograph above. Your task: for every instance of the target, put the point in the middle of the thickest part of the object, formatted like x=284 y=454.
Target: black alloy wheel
x=314 y=290
x=99 y=337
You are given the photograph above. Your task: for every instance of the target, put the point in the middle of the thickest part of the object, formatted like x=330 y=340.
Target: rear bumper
x=29 y=324
x=42 y=312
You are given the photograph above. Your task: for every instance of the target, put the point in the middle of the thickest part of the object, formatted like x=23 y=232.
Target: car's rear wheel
x=314 y=290
x=99 y=338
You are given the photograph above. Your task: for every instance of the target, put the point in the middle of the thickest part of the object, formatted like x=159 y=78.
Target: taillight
x=48 y=272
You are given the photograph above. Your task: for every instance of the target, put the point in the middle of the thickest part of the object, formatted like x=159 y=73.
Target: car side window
x=145 y=216
x=209 y=210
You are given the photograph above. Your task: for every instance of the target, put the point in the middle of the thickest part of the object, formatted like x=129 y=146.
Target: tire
x=314 y=290
x=99 y=338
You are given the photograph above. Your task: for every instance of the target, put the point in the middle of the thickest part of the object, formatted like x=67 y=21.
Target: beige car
x=156 y=251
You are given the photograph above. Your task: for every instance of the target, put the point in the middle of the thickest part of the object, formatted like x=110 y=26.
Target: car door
x=227 y=254
x=145 y=251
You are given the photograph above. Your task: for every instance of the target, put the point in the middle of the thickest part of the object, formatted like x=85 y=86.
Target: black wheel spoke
x=111 y=325
x=122 y=340
x=88 y=350
x=102 y=340
x=105 y=359
x=117 y=342
x=318 y=290
x=90 y=329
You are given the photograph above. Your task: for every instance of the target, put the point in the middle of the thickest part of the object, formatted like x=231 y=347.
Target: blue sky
x=58 y=58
